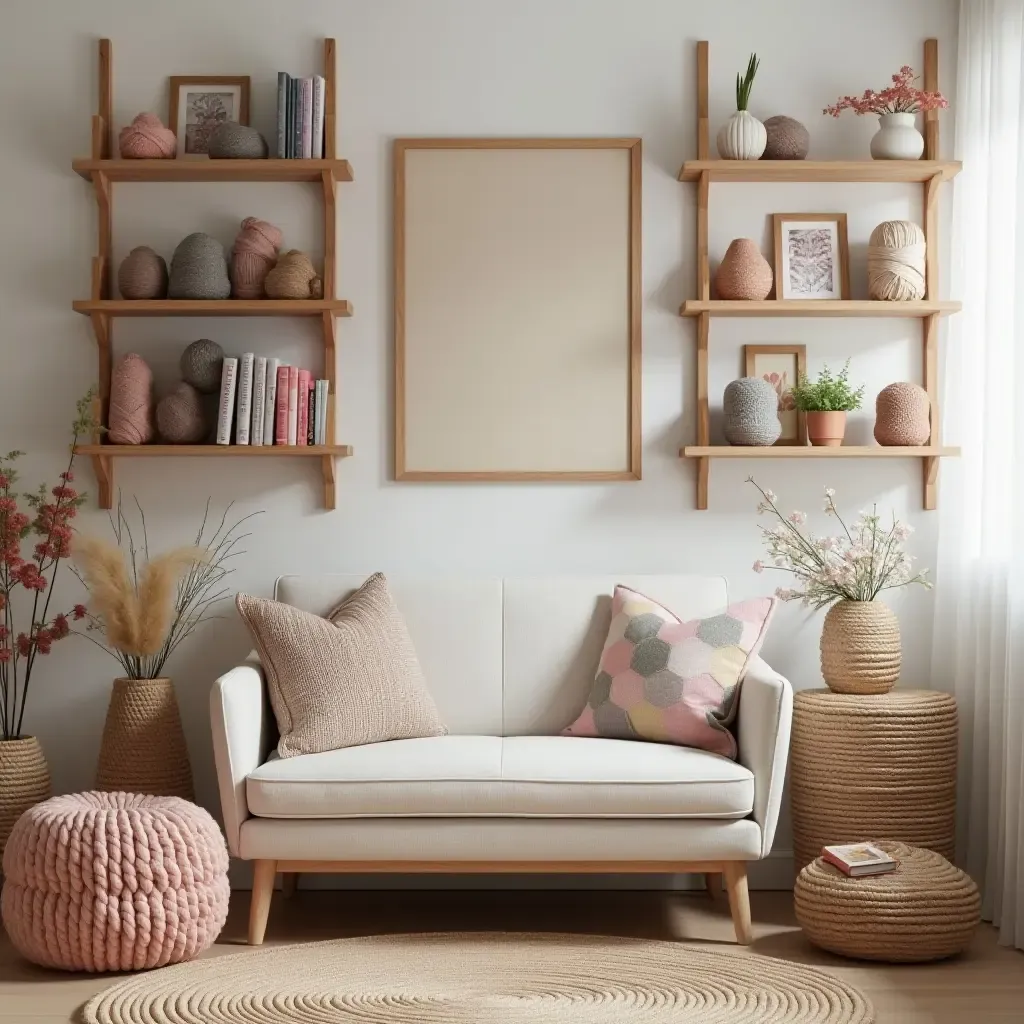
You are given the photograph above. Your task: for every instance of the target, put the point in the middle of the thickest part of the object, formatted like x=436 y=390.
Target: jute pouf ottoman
x=114 y=882
x=926 y=909
x=873 y=766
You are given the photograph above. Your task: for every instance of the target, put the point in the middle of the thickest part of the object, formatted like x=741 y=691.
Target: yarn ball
x=751 y=409
x=131 y=401
x=199 y=269
x=253 y=257
x=293 y=278
x=201 y=365
x=181 y=417
x=788 y=139
x=743 y=273
x=902 y=415
x=142 y=274
x=146 y=138
x=896 y=257
x=233 y=141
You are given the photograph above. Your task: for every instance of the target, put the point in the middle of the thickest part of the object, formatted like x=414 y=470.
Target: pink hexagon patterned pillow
x=668 y=681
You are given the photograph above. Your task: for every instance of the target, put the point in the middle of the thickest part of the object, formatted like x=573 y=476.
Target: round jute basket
x=873 y=768
x=926 y=909
x=143 y=747
x=860 y=647
x=24 y=781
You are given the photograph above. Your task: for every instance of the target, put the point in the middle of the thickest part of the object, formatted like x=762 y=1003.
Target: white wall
x=452 y=67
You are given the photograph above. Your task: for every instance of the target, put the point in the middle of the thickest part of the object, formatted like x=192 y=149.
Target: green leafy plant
x=744 y=83
x=828 y=393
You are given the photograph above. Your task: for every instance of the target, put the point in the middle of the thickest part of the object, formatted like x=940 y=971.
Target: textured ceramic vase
x=826 y=429
x=743 y=273
x=787 y=139
x=742 y=137
x=902 y=415
x=860 y=647
x=750 y=408
x=24 y=781
x=897 y=138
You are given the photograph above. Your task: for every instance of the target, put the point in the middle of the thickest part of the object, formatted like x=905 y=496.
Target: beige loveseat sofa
x=510 y=663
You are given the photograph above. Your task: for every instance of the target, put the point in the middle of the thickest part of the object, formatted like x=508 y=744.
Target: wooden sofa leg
x=713 y=883
x=735 y=872
x=263 y=874
x=289 y=883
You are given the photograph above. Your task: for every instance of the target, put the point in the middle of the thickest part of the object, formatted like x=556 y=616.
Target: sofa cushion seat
x=494 y=776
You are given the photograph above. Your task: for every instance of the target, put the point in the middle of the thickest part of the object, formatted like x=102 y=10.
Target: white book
x=321 y=406
x=319 y=87
x=318 y=408
x=259 y=398
x=228 y=377
x=244 y=411
x=293 y=404
x=270 y=402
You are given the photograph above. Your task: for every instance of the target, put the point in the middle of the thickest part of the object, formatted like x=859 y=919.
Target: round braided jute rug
x=487 y=978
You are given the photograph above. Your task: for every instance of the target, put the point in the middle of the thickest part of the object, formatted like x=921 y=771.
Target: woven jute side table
x=873 y=767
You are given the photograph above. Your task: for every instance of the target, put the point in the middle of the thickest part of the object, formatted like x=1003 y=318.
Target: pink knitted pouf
x=147 y=138
x=114 y=882
x=253 y=257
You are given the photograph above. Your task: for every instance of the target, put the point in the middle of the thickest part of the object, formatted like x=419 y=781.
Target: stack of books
x=859 y=859
x=300 y=117
x=265 y=403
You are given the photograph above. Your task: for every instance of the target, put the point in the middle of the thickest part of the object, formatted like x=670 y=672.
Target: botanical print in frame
x=781 y=366
x=199 y=105
x=811 y=256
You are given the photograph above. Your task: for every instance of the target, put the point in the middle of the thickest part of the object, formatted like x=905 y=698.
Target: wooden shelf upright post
x=703 y=274
x=930 y=324
x=330 y=185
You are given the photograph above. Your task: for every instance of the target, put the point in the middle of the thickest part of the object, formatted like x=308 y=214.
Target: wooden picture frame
x=235 y=87
x=819 y=276
x=518 y=302
x=782 y=366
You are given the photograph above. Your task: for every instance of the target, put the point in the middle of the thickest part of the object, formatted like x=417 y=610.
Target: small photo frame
x=200 y=104
x=812 y=256
x=782 y=366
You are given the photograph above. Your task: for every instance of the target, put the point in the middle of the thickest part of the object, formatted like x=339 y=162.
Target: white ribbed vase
x=897 y=138
x=742 y=137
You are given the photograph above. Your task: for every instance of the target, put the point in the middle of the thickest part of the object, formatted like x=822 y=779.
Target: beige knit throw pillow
x=344 y=680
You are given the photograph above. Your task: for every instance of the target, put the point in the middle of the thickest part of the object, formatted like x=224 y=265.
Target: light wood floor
x=985 y=986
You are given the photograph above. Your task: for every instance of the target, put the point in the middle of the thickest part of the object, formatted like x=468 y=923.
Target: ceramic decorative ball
x=751 y=411
x=896 y=261
x=180 y=416
x=788 y=139
x=142 y=274
x=743 y=273
x=902 y=415
x=233 y=141
x=199 y=269
x=201 y=365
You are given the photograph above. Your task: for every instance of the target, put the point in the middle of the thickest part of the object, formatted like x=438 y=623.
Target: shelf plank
x=724 y=451
x=213 y=170
x=213 y=307
x=817 y=308
x=877 y=171
x=146 y=451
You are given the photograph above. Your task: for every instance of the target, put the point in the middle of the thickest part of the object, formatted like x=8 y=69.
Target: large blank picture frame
x=517 y=309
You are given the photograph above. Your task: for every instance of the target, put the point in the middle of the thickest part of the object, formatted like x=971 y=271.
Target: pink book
x=293 y=403
x=302 y=401
x=281 y=409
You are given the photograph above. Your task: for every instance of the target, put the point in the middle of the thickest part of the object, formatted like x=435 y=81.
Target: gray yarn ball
x=180 y=417
x=201 y=365
x=751 y=409
x=199 y=269
x=234 y=141
x=788 y=139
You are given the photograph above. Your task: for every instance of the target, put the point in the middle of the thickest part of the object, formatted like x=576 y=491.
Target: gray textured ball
x=788 y=139
x=201 y=365
x=180 y=417
x=234 y=141
x=751 y=409
x=199 y=269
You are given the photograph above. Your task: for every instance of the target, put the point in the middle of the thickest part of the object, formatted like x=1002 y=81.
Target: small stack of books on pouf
x=859 y=859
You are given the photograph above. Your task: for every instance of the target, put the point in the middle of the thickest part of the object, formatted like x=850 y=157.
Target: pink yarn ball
x=147 y=138
x=131 y=401
x=253 y=257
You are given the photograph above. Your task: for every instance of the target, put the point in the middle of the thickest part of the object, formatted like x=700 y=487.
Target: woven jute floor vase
x=143 y=747
x=24 y=781
x=860 y=647
x=926 y=909
x=873 y=768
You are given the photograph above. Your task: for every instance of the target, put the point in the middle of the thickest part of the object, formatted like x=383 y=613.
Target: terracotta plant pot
x=860 y=647
x=826 y=429
x=24 y=781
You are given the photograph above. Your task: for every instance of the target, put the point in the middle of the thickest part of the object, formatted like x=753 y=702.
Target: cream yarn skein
x=896 y=258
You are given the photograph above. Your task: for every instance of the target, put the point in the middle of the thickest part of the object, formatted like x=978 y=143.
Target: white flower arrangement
x=854 y=565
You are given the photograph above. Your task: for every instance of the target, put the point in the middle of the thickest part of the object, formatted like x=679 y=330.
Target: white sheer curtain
x=978 y=650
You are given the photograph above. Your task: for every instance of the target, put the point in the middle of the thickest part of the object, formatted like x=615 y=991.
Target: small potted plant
x=825 y=403
x=743 y=137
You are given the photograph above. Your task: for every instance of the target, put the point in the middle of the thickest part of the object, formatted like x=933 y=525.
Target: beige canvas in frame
x=517 y=309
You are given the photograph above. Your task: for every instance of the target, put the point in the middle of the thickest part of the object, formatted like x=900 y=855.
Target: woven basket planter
x=860 y=647
x=143 y=747
x=24 y=781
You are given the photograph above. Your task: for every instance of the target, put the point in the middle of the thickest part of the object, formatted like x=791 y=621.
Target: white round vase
x=742 y=137
x=897 y=138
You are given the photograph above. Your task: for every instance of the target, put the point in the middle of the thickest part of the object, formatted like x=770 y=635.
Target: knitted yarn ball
x=743 y=273
x=181 y=417
x=253 y=257
x=233 y=141
x=114 y=882
x=199 y=269
x=146 y=138
x=131 y=401
x=142 y=274
x=788 y=139
x=902 y=415
x=751 y=409
x=201 y=365
x=293 y=278
x=896 y=259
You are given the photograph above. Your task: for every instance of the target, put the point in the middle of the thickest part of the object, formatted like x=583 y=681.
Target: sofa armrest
x=765 y=717
x=242 y=728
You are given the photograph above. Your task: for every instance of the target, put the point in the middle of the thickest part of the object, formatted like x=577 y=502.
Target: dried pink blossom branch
x=902 y=97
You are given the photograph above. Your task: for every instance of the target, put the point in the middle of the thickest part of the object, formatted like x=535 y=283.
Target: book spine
x=289 y=128
x=297 y=119
x=270 y=402
x=302 y=408
x=324 y=386
x=307 y=118
x=293 y=404
x=317 y=408
x=283 y=78
x=281 y=410
x=319 y=91
x=259 y=398
x=243 y=414
x=310 y=412
x=228 y=375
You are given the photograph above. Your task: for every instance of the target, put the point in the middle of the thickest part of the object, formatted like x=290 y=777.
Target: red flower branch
x=902 y=97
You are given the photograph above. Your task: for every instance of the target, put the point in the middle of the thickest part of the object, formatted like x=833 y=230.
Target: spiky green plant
x=744 y=83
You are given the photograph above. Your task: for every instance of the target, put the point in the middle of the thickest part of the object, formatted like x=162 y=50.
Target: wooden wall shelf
x=878 y=171
x=212 y=307
x=148 y=451
x=793 y=451
x=213 y=170
x=813 y=308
